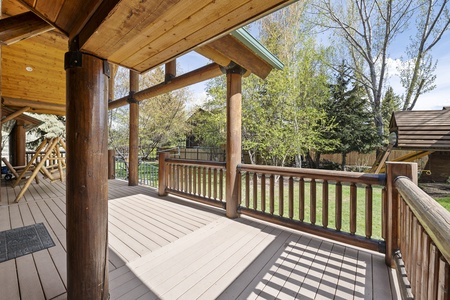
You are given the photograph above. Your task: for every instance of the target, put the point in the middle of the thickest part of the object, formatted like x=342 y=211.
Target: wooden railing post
x=162 y=176
x=393 y=170
x=111 y=164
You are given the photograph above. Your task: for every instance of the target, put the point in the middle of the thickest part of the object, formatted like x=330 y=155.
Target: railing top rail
x=338 y=176
x=191 y=162
x=432 y=216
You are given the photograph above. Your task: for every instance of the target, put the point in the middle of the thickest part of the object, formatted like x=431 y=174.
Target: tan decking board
x=167 y=248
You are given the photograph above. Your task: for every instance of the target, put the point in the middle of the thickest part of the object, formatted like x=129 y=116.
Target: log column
x=234 y=110
x=170 y=70
x=87 y=183
x=17 y=144
x=393 y=170
x=133 y=164
x=1 y=148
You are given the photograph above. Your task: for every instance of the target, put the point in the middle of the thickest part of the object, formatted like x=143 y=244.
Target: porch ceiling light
x=29 y=69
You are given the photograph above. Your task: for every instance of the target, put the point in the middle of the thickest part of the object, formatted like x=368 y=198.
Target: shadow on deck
x=169 y=248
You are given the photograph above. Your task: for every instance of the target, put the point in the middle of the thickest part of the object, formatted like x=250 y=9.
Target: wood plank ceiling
x=137 y=34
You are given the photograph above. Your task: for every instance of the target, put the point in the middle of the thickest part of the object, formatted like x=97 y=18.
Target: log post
x=234 y=109
x=133 y=165
x=111 y=164
x=87 y=183
x=17 y=144
x=170 y=70
x=393 y=170
x=162 y=174
x=1 y=148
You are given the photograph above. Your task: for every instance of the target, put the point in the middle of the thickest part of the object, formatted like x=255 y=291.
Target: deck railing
x=389 y=213
x=424 y=242
x=202 y=181
x=332 y=204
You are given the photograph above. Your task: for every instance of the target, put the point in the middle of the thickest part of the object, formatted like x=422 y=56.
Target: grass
x=445 y=202
x=319 y=207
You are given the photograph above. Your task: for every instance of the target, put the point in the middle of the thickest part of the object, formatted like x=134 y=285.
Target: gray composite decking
x=169 y=248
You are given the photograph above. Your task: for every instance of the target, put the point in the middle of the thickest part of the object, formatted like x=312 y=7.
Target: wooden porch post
x=162 y=174
x=234 y=109
x=393 y=170
x=170 y=70
x=133 y=164
x=87 y=183
x=1 y=149
x=17 y=144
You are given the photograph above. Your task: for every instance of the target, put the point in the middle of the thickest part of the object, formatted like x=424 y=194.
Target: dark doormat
x=24 y=240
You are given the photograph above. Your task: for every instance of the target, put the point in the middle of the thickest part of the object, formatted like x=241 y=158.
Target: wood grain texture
x=87 y=184
x=20 y=27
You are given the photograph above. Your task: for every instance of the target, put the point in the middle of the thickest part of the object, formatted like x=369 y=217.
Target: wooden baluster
x=280 y=196
x=444 y=280
x=369 y=210
x=418 y=260
x=338 y=207
x=204 y=181
x=239 y=187
x=190 y=180
x=301 y=199
x=215 y=184
x=169 y=176
x=255 y=191
x=263 y=192
x=291 y=198
x=425 y=263
x=413 y=262
x=383 y=212
x=272 y=194
x=433 y=271
x=209 y=182
x=194 y=180
x=247 y=189
x=187 y=179
x=353 y=199
x=181 y=178
x=221 y=184
x=407 y=248
x=325 y=204
x=199 y=180
x=312 y=201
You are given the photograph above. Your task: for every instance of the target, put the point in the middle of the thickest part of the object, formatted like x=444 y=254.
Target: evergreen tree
x=391 y=103
x=355 y=130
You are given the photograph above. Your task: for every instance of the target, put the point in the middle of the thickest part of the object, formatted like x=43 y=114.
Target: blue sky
x=435 y=99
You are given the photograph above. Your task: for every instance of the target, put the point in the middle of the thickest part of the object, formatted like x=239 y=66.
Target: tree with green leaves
x=391 y=103
x=282 y=118
x=162 y=119
x=355 y=130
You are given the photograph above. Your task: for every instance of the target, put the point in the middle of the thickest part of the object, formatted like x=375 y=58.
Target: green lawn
x=445 y=202
x=361 y=206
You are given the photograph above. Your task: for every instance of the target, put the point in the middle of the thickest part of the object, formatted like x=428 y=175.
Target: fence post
x=162 y=176
x=393 y=170
x=111 y=164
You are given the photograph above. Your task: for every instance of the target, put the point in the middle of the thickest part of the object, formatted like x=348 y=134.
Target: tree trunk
x=344 y=161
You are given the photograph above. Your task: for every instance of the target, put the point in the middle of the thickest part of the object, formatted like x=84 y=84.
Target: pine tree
x=354 y=130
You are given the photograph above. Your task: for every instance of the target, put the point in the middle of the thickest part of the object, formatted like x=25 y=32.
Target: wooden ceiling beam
x=229 y=47
x=35 y=106
x=207 y=72
x=213 y=55
x=15 y=114
x=20 y=27
x=97 y=18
